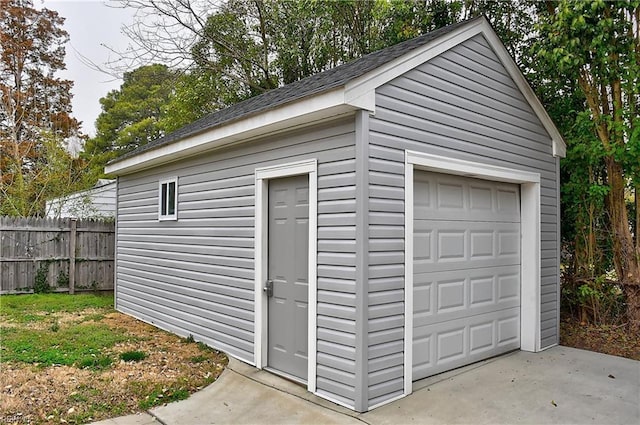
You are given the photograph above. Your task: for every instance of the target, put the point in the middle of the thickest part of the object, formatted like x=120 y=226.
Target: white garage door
x=466 y=271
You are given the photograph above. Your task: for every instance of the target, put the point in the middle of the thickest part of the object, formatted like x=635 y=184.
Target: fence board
x=29 y=244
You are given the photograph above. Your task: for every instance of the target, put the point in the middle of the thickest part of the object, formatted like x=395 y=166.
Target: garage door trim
x=530 y=242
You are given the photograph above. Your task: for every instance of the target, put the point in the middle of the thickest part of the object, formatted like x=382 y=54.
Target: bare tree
x=164 y=31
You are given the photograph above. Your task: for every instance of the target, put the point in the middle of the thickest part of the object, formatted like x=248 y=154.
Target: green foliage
x=246 y=48
x=27 y=308
x=133 y=356
x=94 y=362
x=62 y=281
x=35 y=110
x=130 y=114
x=160 y=395
x=41 y=280
x=197 y=93
x=75 y=344
x=588 y=70
x=53 y=174
x=95 y=407
x=204 y=347
x=69 y=344
x=96 y=317
x=592 y=43
x=599 y=301
x=198 y=359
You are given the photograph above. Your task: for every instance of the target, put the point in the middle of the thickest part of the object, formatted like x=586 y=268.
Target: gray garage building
x=363 y=228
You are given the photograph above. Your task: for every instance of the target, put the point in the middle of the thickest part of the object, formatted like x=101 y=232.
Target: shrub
x=133 y=356
x=599 y=300
x=63 y=280
x=96 y=362
x=41 y=282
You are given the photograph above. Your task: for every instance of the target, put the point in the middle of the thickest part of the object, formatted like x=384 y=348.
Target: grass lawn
x=72 y=358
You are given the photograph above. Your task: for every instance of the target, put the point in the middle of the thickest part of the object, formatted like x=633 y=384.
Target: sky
x=92 y=26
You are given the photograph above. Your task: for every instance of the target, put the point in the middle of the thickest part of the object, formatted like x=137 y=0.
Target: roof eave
x=358 y=93
x=288 y=116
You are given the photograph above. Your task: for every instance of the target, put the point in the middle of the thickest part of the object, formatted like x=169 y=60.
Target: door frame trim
x=529 y=242
x=262 y=177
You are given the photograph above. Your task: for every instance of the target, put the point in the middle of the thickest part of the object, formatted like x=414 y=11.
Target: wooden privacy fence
x=61 y=255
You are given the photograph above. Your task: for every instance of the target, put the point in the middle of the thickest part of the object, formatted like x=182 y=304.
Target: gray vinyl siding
x=461 y=104
x=386 y=272
x=195 y=276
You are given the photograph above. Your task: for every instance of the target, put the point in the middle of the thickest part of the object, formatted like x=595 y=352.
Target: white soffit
x=356 y=94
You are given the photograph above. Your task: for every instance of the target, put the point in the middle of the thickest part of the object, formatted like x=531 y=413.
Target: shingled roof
x=309 y=86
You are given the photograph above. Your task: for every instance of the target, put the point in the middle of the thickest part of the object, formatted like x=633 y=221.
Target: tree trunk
x=625 y=256
x=637 y=228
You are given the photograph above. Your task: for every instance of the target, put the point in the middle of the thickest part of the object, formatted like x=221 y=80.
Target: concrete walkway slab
x=557 y=386
x=245 y=395
x=139 y=419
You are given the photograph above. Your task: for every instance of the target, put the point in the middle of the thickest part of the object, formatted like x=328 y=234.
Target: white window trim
x=529 y=243
x=262 y=177
x=167 y=217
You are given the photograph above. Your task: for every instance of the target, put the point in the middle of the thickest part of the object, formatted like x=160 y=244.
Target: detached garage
x=361 y=229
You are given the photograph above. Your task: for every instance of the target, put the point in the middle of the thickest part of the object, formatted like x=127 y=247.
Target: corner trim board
x=529 y=242
x=361 y=401
x=262 y=176
x=408 y=275
x=115 y=256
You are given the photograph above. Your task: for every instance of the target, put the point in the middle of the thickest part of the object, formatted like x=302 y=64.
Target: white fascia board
x=364 y=87
x=296 y=114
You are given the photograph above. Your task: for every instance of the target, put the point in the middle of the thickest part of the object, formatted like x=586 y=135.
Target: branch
x=591 y=94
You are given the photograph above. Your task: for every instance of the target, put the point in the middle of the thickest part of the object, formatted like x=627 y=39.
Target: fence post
x=72 y=256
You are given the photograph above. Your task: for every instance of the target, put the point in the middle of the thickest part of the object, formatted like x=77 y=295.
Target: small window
x=168 y=208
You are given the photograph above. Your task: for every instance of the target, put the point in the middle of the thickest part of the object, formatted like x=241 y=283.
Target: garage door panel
x=509 y=331
x=444 y=346
x=444 y=197
x=466 y=266
x=425 y=319
x=427 y=267
x=455 y=215
x=450 y=241
x=474 y=226
x=451 y=295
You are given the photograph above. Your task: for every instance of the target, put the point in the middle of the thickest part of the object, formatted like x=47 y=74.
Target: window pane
x=172 y=198
x=163 y=199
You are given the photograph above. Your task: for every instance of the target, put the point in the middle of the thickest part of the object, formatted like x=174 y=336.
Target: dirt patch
x=171 y=369
x=615 y=340
x=44 y=320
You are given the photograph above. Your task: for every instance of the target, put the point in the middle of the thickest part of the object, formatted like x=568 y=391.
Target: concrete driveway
x=557 y=386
